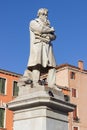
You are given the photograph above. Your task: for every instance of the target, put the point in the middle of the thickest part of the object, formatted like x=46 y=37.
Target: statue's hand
x=52 y=29
x=52 y=36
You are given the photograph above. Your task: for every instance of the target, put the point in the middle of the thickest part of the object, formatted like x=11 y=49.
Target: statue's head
x=42 y=11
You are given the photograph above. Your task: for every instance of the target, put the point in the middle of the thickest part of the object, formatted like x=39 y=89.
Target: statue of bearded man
x=41 y=58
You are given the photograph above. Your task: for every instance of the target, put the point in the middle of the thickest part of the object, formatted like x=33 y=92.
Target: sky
x=68 y=17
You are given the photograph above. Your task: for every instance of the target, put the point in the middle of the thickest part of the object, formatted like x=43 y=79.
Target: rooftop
x=10 y=73
x=80 y=66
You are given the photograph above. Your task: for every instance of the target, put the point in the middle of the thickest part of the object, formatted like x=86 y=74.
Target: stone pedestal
x=40 y=108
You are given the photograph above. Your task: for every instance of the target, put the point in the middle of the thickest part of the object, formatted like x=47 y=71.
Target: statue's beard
x=44 y=20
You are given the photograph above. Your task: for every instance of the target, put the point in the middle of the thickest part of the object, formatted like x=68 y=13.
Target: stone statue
x=41 y=59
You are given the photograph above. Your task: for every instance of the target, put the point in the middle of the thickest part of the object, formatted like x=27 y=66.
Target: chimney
x=81 y=65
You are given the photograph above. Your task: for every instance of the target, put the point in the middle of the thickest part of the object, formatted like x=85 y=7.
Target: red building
x=8 y=91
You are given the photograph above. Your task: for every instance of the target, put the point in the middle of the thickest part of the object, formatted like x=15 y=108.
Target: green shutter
x=2 y=85
x=2 y=111
x=15 y=89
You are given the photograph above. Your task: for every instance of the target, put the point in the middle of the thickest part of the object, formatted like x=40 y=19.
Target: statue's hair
x=42 y=11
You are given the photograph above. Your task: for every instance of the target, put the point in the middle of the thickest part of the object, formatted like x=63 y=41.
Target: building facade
x=70 y=78
x=75 y=79
x=8 y=91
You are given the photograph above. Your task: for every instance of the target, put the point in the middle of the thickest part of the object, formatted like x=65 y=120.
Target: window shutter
x=72 y=75
x=75 y=113
x=2 y=117
x=75 y=128
x=2 y=85
x=15 y=89
x=73 y=92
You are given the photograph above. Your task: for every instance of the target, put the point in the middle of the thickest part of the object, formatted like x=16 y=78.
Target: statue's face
x=43 y=16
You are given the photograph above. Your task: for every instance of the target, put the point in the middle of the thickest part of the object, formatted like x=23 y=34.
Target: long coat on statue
x=41 y=51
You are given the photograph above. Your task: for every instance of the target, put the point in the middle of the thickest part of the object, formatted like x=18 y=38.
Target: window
x=2 y=113
x=75 y=128
x=75 y=113
x=75 y=116
x=2 y=85
x=72 y=75
x=73 y=92
x=15 y=89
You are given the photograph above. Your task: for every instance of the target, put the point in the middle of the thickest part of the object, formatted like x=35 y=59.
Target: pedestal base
x=40 y=118
x=40 y=110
